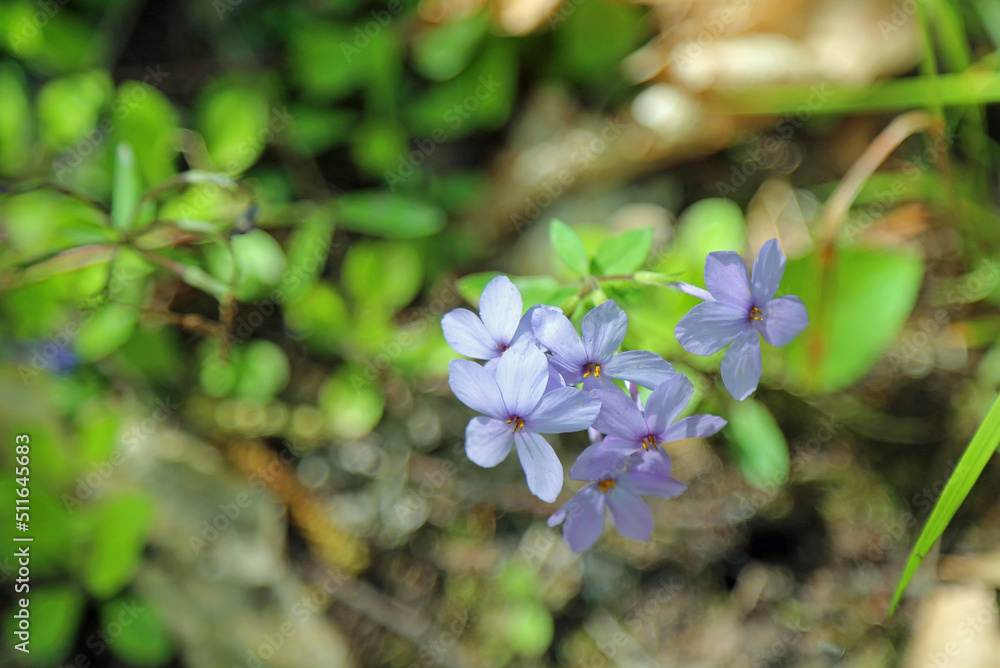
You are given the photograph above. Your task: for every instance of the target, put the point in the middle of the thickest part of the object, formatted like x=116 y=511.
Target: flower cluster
x=534 y=363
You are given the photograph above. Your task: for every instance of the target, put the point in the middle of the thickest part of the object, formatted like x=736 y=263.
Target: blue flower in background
x=618 y=480
x=591 y=360
x=518 y=410
x=629 y=429
x=739 y=310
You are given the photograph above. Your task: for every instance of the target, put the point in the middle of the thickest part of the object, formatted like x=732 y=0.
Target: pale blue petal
x=619 y=416
x=693 y=290
x=666 y=402
x=639 y=366
x=522 y=374
x=603 y=460
x=524 y=324
x=711 y=326
x=768 y=269
x=784 y=319
x=630 y=514
x=541 y=466
x=655 y=461
x=500 y=308
x=466 y=334
x=694 y=426
x=742 y=366
x=727 y=279
x=583 y=517
x=556 y=379
x=650 y=484
x=554 y=331
x=475 y=387
x=563 y=410
x=488 y=441
x=603 y=331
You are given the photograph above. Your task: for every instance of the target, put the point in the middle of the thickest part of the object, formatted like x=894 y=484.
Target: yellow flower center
x=606 y=485
x=649 y=442
x=592 y=368
x=756 y=314
x=517 y=422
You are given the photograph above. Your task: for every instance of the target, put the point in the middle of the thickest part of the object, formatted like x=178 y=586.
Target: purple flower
x=518 y=410
x=736 y=310
x=629 y=429
x=497 y=327
x=616 y=489
x=592 y=359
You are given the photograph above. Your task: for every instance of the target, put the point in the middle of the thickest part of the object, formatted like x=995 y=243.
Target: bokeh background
x=229 y=230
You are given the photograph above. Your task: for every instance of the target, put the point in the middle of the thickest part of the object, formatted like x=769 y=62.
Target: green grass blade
x=965 y=88
x=972 y=463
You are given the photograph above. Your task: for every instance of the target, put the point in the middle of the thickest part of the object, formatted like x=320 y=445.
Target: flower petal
x=522 y=374
x=524 y=324
x=651 y=484
x=562 y=410
x=630 y=514
x=619 y=416
x=768 y=269
x=554 y=331
x=784 y=319
x=742 y=366
x=603 y=331
x=710 y=326
x=584 y=518
x=556 y=379
x=500 y=308
x=475 y=387
x=541 y=465
x=603 y=460
x=655 y=461
x=488 y=441
x=694 y=426
x=667 y=401
x=693 y=290
x=639 y=366
x=727 y=279
x=466 y=334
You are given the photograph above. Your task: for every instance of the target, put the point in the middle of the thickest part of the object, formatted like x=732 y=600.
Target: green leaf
x=712 y=224
x=758 y=445
x=382 y=276
x=259 y=258
x=325 y=62
x=108 y=331
x=117 y=536
x=970 y=466
x=143 y=640
x=15 y=119
x=867 y=299
x=263 y=371
x=625 y=253
x=64 y=262
x=383 y=214
x=145 y=119
x=321 y=316
x=55 y=616
x=233 y=118
x=350 y=401
x=379 y=146
x=126 y=191
x=307 y=250
x=569 y=247
x=527 y=627
x=443 y=51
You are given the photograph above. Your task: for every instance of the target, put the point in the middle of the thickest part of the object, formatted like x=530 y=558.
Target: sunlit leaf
x=383 y=214
x=625 y=253
x=758 y=445
x=569 y=247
